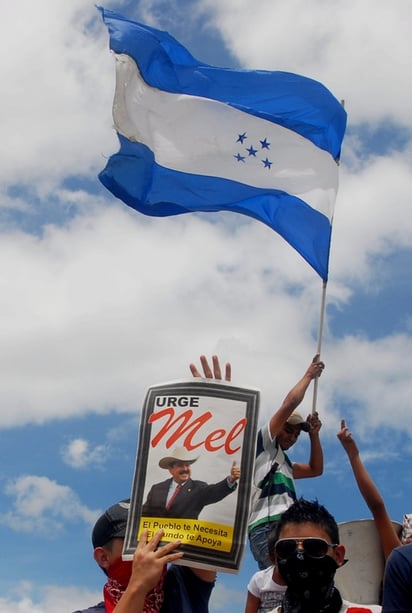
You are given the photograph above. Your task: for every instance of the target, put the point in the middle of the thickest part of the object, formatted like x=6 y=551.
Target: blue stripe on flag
x=293 y=101
x=133 y=176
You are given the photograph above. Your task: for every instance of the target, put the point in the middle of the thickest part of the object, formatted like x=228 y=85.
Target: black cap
x=111 y=524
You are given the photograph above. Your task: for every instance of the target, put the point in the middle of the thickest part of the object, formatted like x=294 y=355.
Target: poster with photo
x=194 y=470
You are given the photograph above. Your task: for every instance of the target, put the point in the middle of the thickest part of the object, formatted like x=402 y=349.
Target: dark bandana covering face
x=310 y=586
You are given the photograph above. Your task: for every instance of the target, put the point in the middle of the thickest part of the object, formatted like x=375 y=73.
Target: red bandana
x=119 y=576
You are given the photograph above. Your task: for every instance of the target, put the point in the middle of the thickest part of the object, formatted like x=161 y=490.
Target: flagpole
x=318 y=349
x=322 y=319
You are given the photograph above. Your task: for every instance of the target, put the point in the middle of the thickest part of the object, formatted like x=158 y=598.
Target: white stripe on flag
x=200 y=136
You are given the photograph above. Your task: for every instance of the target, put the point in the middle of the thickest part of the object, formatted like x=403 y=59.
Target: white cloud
x=222 y=597
x=361 y=51
x=60 y=76
x=43 y=506
x=28 y=598
x=371 y=216
x=95 y=311
x=79 y=453
x=89 y=305
x=60 y=83
x=385 y=399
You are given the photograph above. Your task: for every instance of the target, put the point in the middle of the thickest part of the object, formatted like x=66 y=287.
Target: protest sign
x=205 y=430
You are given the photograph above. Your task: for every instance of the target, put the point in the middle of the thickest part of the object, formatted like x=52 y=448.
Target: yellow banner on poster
x=208 y=535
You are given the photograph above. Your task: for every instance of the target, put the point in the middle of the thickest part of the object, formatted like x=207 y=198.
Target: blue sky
x=97 y=302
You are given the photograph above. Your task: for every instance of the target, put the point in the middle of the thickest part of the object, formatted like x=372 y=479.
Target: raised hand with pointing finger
x=387 y=534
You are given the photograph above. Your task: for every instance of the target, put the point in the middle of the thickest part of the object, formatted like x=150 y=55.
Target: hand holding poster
x=194 y=469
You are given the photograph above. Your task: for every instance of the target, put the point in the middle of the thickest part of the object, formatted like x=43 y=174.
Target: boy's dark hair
x=301 y=512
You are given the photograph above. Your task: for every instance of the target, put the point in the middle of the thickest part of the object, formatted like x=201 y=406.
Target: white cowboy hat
x=179 y=454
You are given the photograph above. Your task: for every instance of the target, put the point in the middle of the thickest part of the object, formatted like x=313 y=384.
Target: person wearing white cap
x=180 y=495
x=274 y=473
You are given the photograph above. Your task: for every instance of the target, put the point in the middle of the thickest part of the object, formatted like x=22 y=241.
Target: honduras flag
x=195 y=137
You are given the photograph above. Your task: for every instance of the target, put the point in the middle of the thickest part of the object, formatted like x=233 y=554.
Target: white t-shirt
x=346 y=608
x=268 y=591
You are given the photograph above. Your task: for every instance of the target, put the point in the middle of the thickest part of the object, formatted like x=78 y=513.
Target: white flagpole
x=322 y=318
x=318 y=349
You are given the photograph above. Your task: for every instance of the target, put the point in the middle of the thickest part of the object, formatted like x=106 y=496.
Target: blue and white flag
x=194 y=137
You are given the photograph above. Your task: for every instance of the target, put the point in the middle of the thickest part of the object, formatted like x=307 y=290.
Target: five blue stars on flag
x=252 y=152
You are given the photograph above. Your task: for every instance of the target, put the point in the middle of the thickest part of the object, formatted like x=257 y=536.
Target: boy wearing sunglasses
x=307 y=551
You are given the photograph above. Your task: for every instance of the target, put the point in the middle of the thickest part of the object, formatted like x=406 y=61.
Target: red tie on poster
x=173 y=496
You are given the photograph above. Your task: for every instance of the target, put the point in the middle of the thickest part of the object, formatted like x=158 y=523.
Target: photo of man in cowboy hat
x=180 y=495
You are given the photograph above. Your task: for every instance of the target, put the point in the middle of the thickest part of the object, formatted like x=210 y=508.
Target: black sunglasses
x=313 y=547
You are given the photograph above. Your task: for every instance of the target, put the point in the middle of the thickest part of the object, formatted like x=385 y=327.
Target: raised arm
x=211 y=372
x=295 y=396
x=370 y=493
